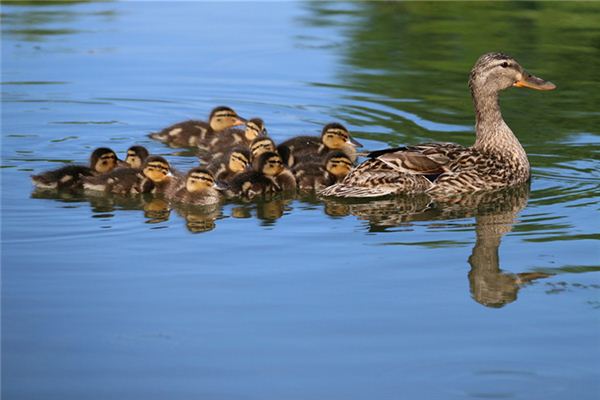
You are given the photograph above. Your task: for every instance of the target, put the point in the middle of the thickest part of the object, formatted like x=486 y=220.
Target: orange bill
x=533 y=82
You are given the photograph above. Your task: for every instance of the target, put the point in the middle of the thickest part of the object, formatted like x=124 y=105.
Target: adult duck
x=495 y=160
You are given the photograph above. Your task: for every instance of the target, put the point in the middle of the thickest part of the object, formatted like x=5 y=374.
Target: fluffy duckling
x=234 y=162
x=318 y=174
x=261 y=145
x=334 y=136
x=102 y=160
x=194 y=133
x=269 y=176
x=136 y=155
x=199 y=189
x=231 y=137
x=155 y=176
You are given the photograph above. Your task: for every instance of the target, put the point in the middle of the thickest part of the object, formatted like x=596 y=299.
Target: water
x=297 y=298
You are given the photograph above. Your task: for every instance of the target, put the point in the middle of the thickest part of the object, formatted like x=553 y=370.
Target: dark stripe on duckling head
x=103 y=160
x=270 y=163
x=261 y=145
x=198 y=179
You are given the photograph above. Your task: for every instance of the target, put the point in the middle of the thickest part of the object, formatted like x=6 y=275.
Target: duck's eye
x=504 y=64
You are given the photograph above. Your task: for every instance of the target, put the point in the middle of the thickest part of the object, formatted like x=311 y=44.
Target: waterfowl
x=268 y=176
x=317 y=174
x=155 y=176
x=334 y=136
x=234 y=162
x=261 y=145
x=199 y=189
x=193 y=133
x=102 y=160
x=494 y=161
x=231 y=137
x=136 y=155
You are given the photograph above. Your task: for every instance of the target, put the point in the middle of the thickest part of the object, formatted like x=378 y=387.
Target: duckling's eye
x=504 y=64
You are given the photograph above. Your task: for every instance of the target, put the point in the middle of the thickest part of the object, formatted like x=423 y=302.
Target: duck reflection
x=200 y=219
x=495 y=214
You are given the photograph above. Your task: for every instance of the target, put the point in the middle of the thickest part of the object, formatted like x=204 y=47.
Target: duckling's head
x=103 y=160
x=224 y=117
x=336 y=136
x=270 y=164
x=136 y=155
x=261 y=145
x=157 y=169
x=199 y=179
x=338 y=164
x=238 y=160
x=255 y=127
x=494 y=72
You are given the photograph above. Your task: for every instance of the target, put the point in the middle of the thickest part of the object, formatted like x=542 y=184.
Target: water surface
x=105 y=297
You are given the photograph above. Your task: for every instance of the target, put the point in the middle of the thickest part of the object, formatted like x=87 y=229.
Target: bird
x=268 y=176
x=136 y=155
x=317 y=174
x=225 y=140
x=155 y=176
x=194 y=133
x=102 y=160
x=496 y=159
x=234 y=162
x=261 y=145
x=334 y=136
x=200 y=189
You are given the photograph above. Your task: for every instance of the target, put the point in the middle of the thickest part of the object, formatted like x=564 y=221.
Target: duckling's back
x=67 y=177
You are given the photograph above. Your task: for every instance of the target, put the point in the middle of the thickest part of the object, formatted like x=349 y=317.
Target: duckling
x=496 y=159
x=155 y=176
x=193 y=133
x=234 y=162
x=334 y=136
x=317 y=174
x=102 y=160
x=261 y=145
x=136 y=155
x=199 y=189
x=269 y=176
x=230 y=137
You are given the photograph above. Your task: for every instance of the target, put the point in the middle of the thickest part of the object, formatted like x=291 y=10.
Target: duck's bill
x=240 y=121
x=533 y=82
x=354 y=142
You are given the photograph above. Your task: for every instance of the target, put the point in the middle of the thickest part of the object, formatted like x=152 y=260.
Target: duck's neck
x=493 y=135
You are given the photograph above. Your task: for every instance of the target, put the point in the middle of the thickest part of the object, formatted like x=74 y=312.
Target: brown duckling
x=155 y=176
x=200 y=189
x=334 y=136
x=234 y=162
x=136 y=155
x=317 y=174
x=194 y=133
x=231 y=137
x=269 y=176
x=102 y=160
x=261 y=145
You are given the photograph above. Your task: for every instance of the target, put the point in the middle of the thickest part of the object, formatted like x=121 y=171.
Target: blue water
x=297 y=298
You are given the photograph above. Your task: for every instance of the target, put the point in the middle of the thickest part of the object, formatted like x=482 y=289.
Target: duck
x=231 y=137
x=269 y=175
x=496 y=160
x=317 y=174
x=136 y=155
x=200 y=189
x=155 y=176
x=261 y=145
x=235 y=161
x=334 y=137
x=193 y=133
x=102 y=160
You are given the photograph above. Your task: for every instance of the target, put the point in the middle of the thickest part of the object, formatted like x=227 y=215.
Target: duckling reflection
x=156 y=210
x=199 y=218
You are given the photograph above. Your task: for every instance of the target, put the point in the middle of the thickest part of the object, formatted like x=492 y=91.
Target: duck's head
x=157 y=169
x=224 y=117
x=199 y=179
x=261 y=145
x=336 y=136
x=338 y=164
x=136 y=155
x=238 y=160
x=255 y=127
x=103 y=160
x=270 y=163
x=494 y=72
